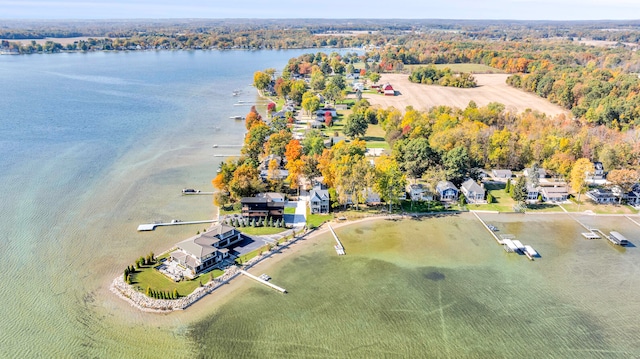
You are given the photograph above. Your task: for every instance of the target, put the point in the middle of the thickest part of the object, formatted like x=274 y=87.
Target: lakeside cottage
x=554 y=194
x=263 y=207
x=447 y=191
x=602 y=196
x=532 y=193
x=542 y=173
x=472 y=191
x=319 y=200
x=205 y=251
x=419 y=192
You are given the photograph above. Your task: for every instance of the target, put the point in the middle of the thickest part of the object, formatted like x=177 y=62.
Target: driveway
x=299 y=219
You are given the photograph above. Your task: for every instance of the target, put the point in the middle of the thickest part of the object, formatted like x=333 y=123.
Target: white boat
x=236 y=118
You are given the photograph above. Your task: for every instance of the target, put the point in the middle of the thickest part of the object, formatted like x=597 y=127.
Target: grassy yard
x=375 y=137
x=148 y=276
x=289 y=210
x=586 y=205
x=422 y=206
x=245 y=257
x=315 y=220
x=543 y=207
x=502 y=202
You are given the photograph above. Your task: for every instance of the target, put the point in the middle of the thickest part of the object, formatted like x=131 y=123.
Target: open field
x=457 y=68
x=587 y=205
x=491 y=88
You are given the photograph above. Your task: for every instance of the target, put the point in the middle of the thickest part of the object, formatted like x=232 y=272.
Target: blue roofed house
x=447 y=191
x=472 y=191
x=319 y=200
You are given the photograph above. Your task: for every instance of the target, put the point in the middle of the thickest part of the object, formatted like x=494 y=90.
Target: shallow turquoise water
x=443 y=288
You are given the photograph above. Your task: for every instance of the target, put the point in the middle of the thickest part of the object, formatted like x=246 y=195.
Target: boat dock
x=338 y=247
x=508 y=241
x=590 y=235
x=175 y=222
x=279 y=289
x=617 y=239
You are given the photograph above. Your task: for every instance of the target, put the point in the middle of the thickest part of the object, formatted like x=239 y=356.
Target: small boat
x=492 y=227
x=236 y=118
x=235 y=93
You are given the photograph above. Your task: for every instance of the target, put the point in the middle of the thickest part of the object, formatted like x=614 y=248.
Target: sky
x=380 y=9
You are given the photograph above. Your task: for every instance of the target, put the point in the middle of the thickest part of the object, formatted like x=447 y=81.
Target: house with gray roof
x=206 y=250
x=473 y=192
x=319 y=201
x=501 y=173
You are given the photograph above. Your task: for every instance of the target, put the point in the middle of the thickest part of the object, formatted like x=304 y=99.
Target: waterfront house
x=206 y=250
x=554 y=194
x=419 y=192
x=319 y=200
x=261 y=207
x=371 y=197
x=602 y=196
x=532 y=193
x=501 y=173
x=632 y=197
x=447 y=191
x=597 y=175
x=473 y=192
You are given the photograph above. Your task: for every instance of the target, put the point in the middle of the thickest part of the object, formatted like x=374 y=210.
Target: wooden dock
x=152 y=226
x=487 y=228
x=279 y=289
x=338 y=247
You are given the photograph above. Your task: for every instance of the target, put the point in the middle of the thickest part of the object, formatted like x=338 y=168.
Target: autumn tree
x=310 y=102
x=254 y=141
x=293 y=150
x=225 y=175
x=298 y=88
x=261 y=80
x=277 y=142
x=625 y=179
x=581 y=168
x=389 y=180
x=414 y=156
x=273 y=176
x=252 y=118
x=246 y=182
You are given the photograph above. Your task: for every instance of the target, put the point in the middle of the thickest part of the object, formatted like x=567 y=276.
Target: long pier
x=488 y=229
x=197 y=193
x=279 y=289
x=152 y=226
x=339 y=248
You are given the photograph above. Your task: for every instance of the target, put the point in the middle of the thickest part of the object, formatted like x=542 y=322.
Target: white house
x=419 y=192
x=473 y=192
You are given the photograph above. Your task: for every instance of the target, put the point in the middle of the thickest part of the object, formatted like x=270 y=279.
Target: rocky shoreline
x=146 y=304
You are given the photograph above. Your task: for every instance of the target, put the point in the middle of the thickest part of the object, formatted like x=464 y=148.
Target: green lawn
x=543 y=207
x=148 y=276
x=502 y=202
x=261 y=231
x=289 y=210
x=245 y=257
x=587 y=205
x=315 y=220
x=422 y=206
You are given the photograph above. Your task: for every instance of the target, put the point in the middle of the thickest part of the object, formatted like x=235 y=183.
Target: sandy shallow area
x=491 y=88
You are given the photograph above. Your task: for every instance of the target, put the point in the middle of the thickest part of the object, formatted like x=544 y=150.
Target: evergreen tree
x=153 y=258
x=148 y=292
x=489 y=198
x=461 y=200
x=175 y=294
x=126 y=271
x=507 y=188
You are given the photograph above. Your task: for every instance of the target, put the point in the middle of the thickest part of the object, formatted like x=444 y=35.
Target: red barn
x=388 y=90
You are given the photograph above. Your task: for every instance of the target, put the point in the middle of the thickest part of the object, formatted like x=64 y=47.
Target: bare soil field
x=491 y=88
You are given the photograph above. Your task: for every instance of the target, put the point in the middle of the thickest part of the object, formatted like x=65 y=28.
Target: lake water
x=91 y=145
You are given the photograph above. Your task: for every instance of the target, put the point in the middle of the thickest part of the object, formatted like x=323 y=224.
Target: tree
x=310 y=102
x=625 y=179
x=273 y=175
x=328 y=119
x=456 y=163
x=313 y=143
x=355 y=125
x=534 y=176
x=374 y=77
x=252 y=118
x=298 y=88
x=254 y=141
x=277 y=142
x=578 y=175
x=507 y=187
x=317 y=81
x=389 y=180
x=293 y=150
x=414 y=156
x=246 y=182
x=520 y=190
x=261 y=80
